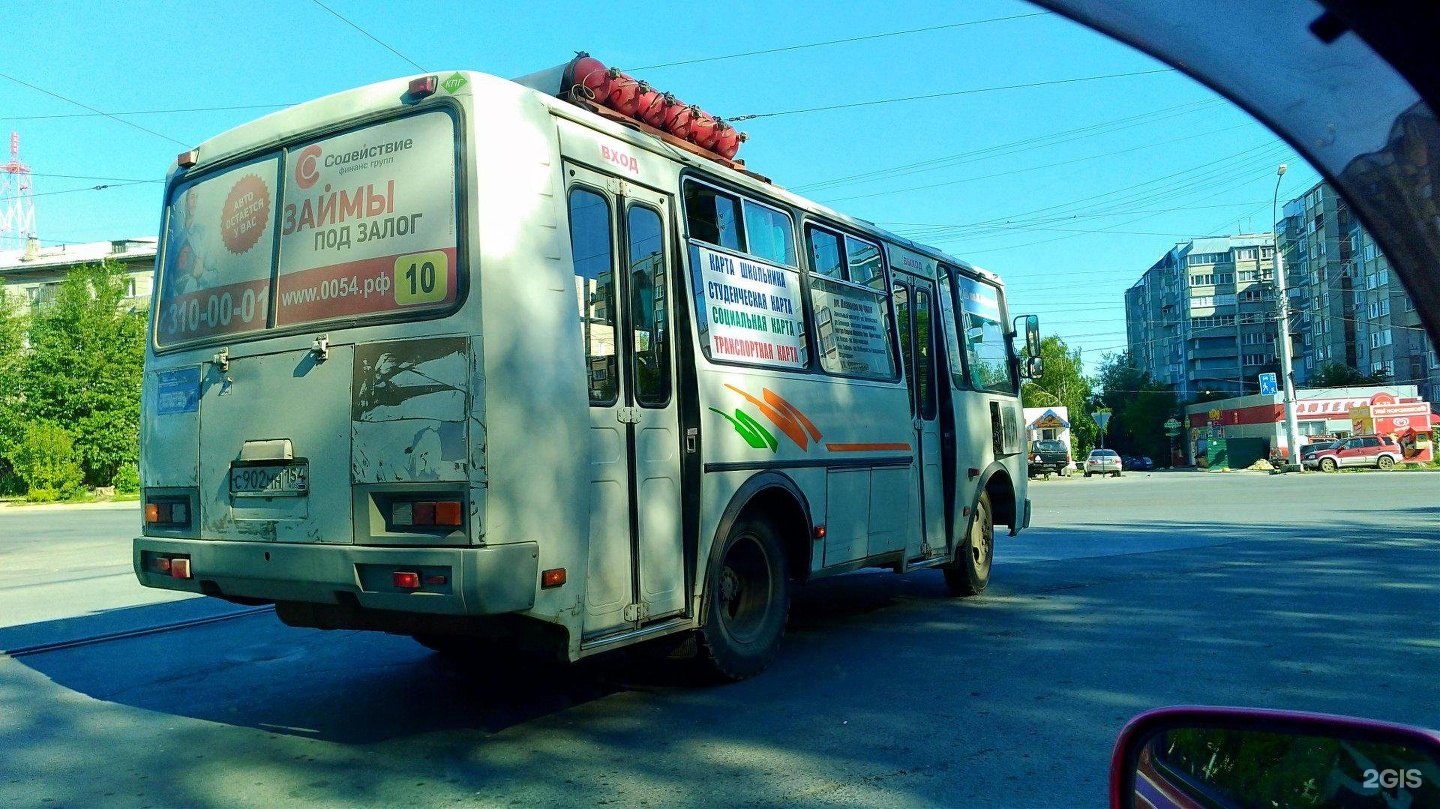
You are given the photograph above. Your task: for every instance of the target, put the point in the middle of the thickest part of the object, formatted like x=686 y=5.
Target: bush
x=44 y=458
x=127 y=479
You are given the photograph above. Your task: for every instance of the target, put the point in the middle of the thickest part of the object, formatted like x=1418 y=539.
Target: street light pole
x=1292 y=429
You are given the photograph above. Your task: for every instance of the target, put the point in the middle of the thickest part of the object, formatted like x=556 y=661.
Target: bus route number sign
x=421 y=278
x=270 y=480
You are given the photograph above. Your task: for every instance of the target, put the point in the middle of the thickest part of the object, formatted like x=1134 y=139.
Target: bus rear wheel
x=969 y=573
x=747 y=602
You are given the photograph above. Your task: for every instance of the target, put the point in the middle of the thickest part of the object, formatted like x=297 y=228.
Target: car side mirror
x=1034 y=367
x=1242 y=757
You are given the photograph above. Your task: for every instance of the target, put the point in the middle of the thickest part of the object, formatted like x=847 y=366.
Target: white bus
x=470 y=360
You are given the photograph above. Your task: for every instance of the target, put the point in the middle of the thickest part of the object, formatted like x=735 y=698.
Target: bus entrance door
x=919 y=324
x=622 y=266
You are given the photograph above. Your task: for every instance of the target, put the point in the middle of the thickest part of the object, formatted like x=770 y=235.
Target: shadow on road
x=887 y=690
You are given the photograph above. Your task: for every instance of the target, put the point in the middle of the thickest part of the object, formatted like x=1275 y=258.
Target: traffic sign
x=1268 y=385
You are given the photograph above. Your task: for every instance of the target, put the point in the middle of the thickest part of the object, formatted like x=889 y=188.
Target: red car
x=1379 y=451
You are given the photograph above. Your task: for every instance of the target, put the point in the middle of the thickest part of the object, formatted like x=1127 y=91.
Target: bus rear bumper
x=486 y=580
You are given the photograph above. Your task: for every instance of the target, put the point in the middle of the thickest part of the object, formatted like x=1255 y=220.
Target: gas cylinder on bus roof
x=727 y=140
x=678 y=119
x=624 y=93
x=650 y=106
x=589 y=73
x=703 y=130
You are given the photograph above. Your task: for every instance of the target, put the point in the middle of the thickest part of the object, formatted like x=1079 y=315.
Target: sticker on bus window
x=219 y=241
x=368 y=225
x=750 y=310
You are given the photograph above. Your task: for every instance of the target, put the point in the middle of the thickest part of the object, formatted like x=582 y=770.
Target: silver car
x=1102 y=462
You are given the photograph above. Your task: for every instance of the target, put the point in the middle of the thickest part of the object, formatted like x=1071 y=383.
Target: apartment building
x=1202 y=318
x=1347 y=307
x=33 y=275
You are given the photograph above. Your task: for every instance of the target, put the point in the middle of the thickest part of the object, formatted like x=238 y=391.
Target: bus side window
x=825 y=254
x=901 y=294
x=769 y=234
x=593 y=255
x=648 y=312
x=864 y=263
x=924 y=353
x=712 y=216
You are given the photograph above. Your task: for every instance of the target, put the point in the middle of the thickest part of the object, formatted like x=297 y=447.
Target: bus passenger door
x=919 y=333
x=622 y=264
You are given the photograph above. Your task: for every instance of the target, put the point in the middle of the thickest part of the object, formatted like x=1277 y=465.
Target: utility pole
x=1292 y=429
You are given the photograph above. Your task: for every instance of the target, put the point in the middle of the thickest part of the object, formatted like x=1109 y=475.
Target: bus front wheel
x=747 y=603
x=969 y=573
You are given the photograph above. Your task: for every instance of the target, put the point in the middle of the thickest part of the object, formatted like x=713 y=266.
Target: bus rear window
x=364 y=225
x=219 y=251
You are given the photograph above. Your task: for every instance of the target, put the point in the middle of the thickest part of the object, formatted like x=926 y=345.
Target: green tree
x=12 y=343
x=1139 y=408
x=84 y=367
x=1063 y=383
x=1336 y=375
x=45 y=459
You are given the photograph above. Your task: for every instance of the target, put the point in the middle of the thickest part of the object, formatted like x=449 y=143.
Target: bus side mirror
x=1034 y=368
x=1032 y=334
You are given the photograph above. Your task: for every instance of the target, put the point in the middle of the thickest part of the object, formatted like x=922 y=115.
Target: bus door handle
x=692 y=438
x=627 y=415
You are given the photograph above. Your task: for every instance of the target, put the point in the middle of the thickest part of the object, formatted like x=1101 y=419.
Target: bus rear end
x=311 y=386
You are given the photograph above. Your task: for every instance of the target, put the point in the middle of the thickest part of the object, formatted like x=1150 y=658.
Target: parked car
x=1049 y=456
x=1379 y=451
x=1307 y=452
x=1136 y=463
x=1103 y=462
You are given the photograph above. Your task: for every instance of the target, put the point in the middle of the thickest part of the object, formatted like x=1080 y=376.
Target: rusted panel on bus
x=407 y=379
x=409 y=411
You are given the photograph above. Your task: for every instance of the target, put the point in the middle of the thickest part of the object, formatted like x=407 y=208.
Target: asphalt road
x=1314 y=592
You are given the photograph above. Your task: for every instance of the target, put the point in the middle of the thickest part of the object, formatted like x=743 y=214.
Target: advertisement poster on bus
x=219 y=244
x=368 y=222
x=749 y=310
x=851 y=326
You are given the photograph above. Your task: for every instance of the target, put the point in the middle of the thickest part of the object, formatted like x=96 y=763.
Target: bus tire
x=969 y=573
x=747 y=602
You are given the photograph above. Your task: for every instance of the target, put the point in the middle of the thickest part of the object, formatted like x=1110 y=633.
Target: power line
x=841 y=41
x=951 y=94
x=1014 y=147
x=341 y=17
x=1010 y=172
x=92 y=109
x=141 y=112
x=90 y=177
x=92 y=188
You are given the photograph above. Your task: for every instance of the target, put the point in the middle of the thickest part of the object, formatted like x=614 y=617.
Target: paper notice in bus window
x=749 y=310
x=219 y=241
x=368 y=223
x=852 y=327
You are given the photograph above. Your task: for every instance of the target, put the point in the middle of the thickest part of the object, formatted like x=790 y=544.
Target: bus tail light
x=176 y=567
x=422 y=87
x=553 y=577
x=167 y=514
x=427 y=514
x=405 y=580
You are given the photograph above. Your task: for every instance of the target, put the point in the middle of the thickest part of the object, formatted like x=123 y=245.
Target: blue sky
x=1068 y=190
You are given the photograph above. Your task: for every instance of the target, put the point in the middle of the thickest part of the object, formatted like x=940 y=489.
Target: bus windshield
x=359 y=224
x=982 y=329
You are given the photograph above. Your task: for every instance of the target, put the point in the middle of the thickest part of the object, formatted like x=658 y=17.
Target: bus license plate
x=274 y=480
